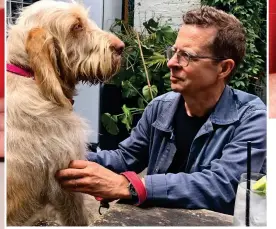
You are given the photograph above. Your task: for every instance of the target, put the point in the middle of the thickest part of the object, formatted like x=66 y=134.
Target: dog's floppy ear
x=43 y=61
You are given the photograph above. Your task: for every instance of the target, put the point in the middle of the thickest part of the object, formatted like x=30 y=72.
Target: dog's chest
x=38 y=128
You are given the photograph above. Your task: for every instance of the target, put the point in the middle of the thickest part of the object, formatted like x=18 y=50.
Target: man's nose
x=173 y=62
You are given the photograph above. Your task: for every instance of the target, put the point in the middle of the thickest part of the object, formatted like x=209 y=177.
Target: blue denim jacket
x=217 y=156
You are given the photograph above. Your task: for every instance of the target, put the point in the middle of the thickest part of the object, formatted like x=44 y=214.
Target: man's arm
x=214 y=187
x=132 y=153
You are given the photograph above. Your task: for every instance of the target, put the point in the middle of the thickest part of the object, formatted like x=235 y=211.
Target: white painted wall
x=87 y=102
x=112 y=10
x=168 y=10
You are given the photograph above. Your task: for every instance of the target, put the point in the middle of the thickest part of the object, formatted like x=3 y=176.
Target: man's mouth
x=174 y=78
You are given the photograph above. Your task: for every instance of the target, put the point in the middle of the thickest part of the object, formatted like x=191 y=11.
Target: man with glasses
x=193 y=141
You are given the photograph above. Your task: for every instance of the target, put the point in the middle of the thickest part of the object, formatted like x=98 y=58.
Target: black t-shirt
x=185 y=130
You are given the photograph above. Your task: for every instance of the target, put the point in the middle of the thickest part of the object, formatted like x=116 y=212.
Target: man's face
x=200 y=74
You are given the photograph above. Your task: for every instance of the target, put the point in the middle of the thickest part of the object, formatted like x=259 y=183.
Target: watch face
x=132 y=191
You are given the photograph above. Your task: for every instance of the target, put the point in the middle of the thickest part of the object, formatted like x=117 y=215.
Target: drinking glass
x=257 y=205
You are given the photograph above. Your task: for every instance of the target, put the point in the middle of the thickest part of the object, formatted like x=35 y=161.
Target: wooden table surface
x=128 y=215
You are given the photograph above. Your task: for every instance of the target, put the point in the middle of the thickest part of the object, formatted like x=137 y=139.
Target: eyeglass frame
x=189 y=55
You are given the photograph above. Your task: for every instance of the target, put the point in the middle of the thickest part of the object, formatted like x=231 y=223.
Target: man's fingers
x=70 y=174
x=77 y=189
x=77 y=185
x=79 y=164
x=77 y=169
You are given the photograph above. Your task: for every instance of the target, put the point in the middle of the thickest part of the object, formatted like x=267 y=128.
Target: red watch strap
x=138 y=185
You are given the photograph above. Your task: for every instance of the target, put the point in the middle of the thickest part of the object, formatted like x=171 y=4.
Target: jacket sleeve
x=215 y=186
x=132 y=153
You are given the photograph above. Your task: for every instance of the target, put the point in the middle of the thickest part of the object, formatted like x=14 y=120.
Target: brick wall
x=170 y=10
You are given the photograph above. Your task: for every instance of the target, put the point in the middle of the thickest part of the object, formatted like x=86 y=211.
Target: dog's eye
x=77 y=27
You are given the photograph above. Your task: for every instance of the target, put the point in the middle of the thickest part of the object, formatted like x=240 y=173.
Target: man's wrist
x=123 y=190
x=137 y=188
x=143 y=181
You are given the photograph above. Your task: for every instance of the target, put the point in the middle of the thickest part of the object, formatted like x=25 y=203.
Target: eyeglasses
x=184 y=58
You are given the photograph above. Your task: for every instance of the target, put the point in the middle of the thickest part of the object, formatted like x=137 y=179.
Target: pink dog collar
x=19 y=71
x=22 y=72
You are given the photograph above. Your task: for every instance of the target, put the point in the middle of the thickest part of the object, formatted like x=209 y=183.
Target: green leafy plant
x=144 y=74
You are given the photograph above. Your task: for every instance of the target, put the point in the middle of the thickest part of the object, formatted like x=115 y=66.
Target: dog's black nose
x=117 y=44
x=119 y=47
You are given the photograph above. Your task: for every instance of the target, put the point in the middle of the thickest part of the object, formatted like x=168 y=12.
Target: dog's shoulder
x=38 y=114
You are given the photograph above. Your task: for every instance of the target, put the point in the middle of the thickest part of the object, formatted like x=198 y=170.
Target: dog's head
x=63 y=46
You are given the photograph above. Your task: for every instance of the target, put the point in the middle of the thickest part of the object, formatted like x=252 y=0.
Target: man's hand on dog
x=92 y=178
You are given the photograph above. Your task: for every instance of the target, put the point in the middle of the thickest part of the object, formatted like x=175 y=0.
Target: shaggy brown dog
x=58 y=43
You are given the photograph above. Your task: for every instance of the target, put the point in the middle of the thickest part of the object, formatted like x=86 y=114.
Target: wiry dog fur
x=61 y=46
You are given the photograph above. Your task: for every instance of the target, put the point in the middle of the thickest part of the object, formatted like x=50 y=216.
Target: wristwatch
x=136 y=187
x=133 y=193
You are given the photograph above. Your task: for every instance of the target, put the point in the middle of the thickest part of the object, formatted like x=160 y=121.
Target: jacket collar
x=164 y=119
x=225 y=111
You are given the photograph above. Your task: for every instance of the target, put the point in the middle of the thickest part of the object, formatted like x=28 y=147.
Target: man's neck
x=203 y=102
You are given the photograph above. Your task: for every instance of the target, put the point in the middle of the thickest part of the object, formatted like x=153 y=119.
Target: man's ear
x=225 y=68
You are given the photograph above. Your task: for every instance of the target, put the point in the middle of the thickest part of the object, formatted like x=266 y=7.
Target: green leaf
x=167 y=75
x=242 y=84
x=143 y=73
x=141 y=103
x=237 y=83
x=150 y=25
x=122 y=75
x=127 y=90
x=127 y=117
x=166 y=34
x=147 y=94
x=156 y=59
x=110 y=123
x=126 y=122
x=147 y=51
